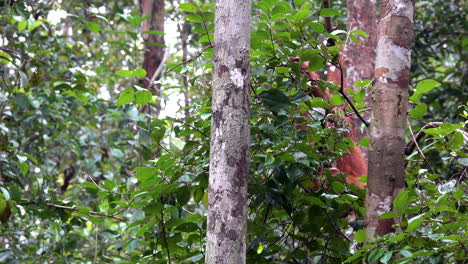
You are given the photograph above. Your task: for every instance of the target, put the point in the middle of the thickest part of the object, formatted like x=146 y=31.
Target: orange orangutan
x=352 y=163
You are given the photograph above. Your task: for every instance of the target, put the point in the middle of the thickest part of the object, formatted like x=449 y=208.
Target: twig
x=159 y=69
x=342 y=92
x=419 y=149
x=93 y=213
x=411 y=145
x=189 y=60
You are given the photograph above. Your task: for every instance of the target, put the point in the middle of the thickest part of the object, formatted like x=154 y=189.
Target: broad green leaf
x=183 y=195
x=387 y=215
x=316 y=63
x=93 y=26
x=329 y=12
x=317 y=27
x=275 y=100
x=375 y=254
x=124 y=73
x=419 y=111
x=260 y=248
x=189 y=7
x=126 y=96
x=337 y=100
x=338 y=187
x=22 y=25
x=360 y=236
x=401 y=202
x=414 y=223
x=364 y=142
x=194 y=18
x=153 y=32
x=386 y=257
x=139 y=73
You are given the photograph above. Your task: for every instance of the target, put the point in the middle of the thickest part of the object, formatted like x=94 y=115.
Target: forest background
x=100 y=165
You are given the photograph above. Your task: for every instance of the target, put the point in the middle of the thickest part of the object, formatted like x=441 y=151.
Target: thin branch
x=342 y=92
x=92 y=213
x=411 y=145
x=190 y=59
x=419 y=149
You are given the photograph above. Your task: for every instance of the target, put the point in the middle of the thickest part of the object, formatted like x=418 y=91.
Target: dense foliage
x=90 y=178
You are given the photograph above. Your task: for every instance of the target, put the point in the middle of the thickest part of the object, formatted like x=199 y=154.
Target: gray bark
x=230 y=134
x=386 y=177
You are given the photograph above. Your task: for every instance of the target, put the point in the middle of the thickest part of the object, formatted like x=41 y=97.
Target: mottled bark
x=229 y=158
x=154 y=45
x=358 y=60
x=389 y=109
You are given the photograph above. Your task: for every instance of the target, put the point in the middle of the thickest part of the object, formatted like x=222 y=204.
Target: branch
x=90 y=212
x=342 y=92
x=411 y=145
x=189 y=60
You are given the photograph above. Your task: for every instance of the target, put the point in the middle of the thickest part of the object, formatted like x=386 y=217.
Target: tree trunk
x=358 y=60
x=230 y=134
x=154 y=52
x=389 y=109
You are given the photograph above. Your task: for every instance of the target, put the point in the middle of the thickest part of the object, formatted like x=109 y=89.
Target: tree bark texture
x=154 y=43
x=358 y=60
x=230 y=134
x=386 y=177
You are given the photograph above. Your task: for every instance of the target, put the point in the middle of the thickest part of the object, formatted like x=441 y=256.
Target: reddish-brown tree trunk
x=358 y=60
x=154 y=45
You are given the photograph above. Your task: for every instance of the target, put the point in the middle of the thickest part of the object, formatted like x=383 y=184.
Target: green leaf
x=187 y=227
x=338 y=187
x=139 y=73
x=317 y=27
x=189 y=7
x=423 y=87
x=419 y=111
x=183 y=195
x=387 y=215
x=126 y=96
x=414 y=223
x=124 y=73
x=153 y=32
x=401 y=202
x=364 y=142
x=375 y=254
x=22 y=25
x=329 y=12
x=260 y=248
x=143 y=97
x=360 y=236
x=337 y=100
x=5 y=58
x=194 y=18
x=109 y=185
x=386 y=257
x=93 y=26
x=316 y=63
x=275 y=100
x=360 y=32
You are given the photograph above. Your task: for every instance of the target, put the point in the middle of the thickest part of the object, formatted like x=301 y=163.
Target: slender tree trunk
x=154 y=46
x=389 y=109
x=230 y=134
x=184 y=34
x=358 y=60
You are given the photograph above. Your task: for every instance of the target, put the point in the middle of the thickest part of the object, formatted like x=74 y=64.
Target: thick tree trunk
x=230 y=134
x=389 y=109
x=154 y=46
x=358 y=60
